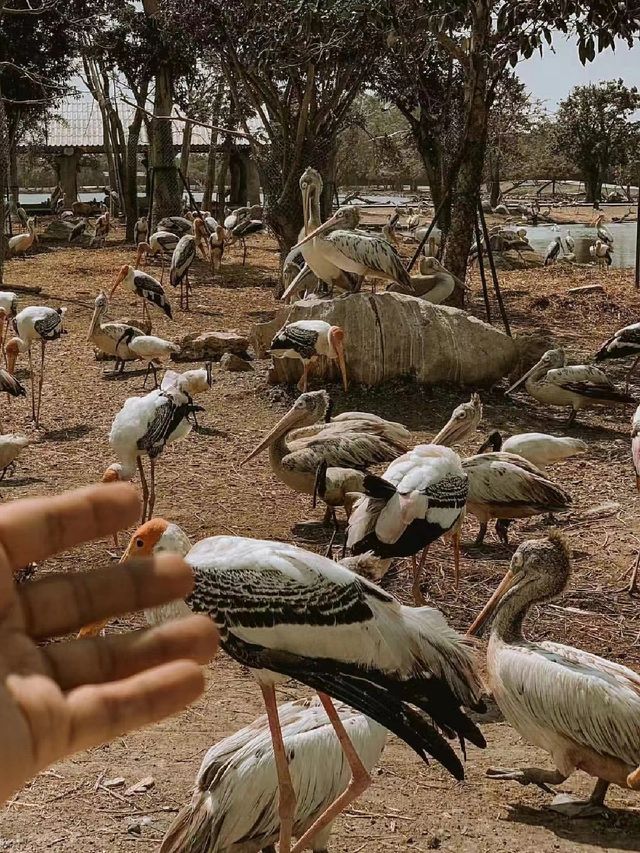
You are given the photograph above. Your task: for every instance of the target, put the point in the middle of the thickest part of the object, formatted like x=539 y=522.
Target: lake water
x=623 y=233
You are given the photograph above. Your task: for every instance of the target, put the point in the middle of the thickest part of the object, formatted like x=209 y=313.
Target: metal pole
x=436 y=215
x=638 y=238
x=483 y=276
x=492 y=266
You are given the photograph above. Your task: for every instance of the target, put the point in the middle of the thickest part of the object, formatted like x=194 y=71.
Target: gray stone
x=210 y=346
x=231 y=361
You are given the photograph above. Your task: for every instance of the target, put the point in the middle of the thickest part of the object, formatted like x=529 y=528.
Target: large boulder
x=210 y=346
x=388 y=335
x=58 y=230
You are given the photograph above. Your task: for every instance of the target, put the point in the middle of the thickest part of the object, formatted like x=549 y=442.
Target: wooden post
x=483 y=275
x=492 y=267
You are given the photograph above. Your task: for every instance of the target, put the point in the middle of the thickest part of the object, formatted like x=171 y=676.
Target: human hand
x=67 y=696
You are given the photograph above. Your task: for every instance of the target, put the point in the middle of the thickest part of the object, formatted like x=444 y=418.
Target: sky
x=552 y=76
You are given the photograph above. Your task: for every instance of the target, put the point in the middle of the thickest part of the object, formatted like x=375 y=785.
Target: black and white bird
x=235 y=799
x=306 y=340
x=78 y=230
x=553 y=251
x=420 y=497
x=623 y=343
x=601 y=252
x=145 y=287
x=35 y=324
x=161 y=243
x=603 y=232
x=288 y=613
x=178 y=225
x=10 y=386
x=183 y=256
x=243 y=229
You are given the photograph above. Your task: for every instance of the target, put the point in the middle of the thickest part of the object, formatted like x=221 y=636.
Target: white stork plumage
x=288 y=613
x=183 y=256
x=420 y=497
x=306 y=340
x=234 y=801
x=35 y=324
x=553 y=251
x=21 y=243
x=601 y=253
x=554 y=383
x=10 y=386
x=538 y=448
x=161 y=243
x=582 y=709
x=11 y=446
x=143 y=427
x=355 y=252
x=624 y=342
x=145 y=287
x=150 y=349
x=109 y=337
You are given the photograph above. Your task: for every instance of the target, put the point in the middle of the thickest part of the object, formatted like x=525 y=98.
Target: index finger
x=33 y=529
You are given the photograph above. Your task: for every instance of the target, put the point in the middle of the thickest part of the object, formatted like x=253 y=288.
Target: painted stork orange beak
x=292 y=419
x=488 y=610
x=336 y=339
x=122 y=274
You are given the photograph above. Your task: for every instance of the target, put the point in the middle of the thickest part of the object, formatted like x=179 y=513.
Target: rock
x=141 y=787
x=210 y=346
x=58 y=231
x=522 y=259
x=586 y=288
x=388 y=335
x=501 y=209
x=231 y=361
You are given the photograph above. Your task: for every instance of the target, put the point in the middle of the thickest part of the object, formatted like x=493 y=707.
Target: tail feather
x=599 y=392
x=377 y=487
x=158 y=299
x=193 y=827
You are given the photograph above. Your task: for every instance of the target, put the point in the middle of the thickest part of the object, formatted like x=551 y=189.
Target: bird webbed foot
x=528 y=776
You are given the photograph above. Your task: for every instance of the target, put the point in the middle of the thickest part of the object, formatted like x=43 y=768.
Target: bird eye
x=139 y=543
x=517 y=561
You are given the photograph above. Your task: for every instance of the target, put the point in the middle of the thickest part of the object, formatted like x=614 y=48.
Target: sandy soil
x=202 y=487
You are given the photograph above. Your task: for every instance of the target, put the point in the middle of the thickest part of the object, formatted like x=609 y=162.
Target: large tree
x=595 y=130
x=295 y=68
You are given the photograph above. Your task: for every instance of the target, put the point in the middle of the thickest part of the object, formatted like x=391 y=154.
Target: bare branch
x=179 y=117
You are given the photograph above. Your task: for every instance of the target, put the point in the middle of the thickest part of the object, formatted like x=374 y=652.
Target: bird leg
x=244 y=251
x=302 y=382
x=145 y=313
x=40 y=382
x=286 y=794
x=152 y=489
x=631 y=369
x=360 y=778
x=481 y=533
x=593 y=807
x=528 y=776
x=155 y=375
x=502 y=530
x=145 y=490
x=33 y=392
x=418 y=597
x=456 y=557
x=572 y=417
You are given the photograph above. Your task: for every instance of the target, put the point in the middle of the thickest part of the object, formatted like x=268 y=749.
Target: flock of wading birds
x=376 y=665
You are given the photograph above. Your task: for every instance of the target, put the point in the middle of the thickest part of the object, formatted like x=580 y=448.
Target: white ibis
x=553 y=251
x=103 y=226
x=420 y=497
x=234 y=802
x=140 y=231
x=553 y=383
x=288 y=613
x=109 y=337
x=145 y=287
x=8 y=310
x=37 y=323
x=601 y=253
x=582 y=709
x=21 y=243
x=538 y=448
x=183 y=256
x=150 y=349
x=78 y=230
x=624 y=342
x=11 y=446
x=307 y=340
x=143 y=427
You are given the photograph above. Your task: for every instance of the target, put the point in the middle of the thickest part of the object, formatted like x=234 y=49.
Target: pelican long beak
x=521 y=380
x=488 y=610
x=321 y=229
x=284 y=425
x=305 y=207
x=451 y=432
x=120 y=278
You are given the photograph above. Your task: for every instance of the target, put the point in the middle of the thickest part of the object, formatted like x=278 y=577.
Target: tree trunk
x=4 y=169
x=167 y=195
x=185 y=152
x=130 y=188
x=209 y=184
x=13 y=175
x=593 y=187
x=494 y=172
x=222 y=184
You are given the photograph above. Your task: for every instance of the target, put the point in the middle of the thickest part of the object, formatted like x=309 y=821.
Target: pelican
x=145 y=287
x=20 y=243
x=155 y=351
x=553 y=251
x=624 y=342
x=582 y=709
x=109 y=337
x=538 y=448
x=554 y=383
x=307 y=340
x=601 y=253
x=234 y=802
x=348 y=447
x=464 y=419
x=435 y=284
x=505 y=486
x=420 y=497
x=356 y=252
x=287 y=612
x=35 y=323
x=161 y=243
x=11 y=446
x=140 y=231
x=389 y=232
x=603 y=232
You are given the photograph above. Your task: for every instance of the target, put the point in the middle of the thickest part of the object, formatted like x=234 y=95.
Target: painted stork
x=140 y=231
x=505 y=486
x=145 y=287
x=78 y=230
x=183 y=256
x=234 y=801
x=10 y=386
x=356 y=252
x=20 y=243
x=216 y=248
x=288 y=613
x=307 y=340
x=150 y=349
x=245 y=228
x=420 y=497
x=571 y=243
x=108 y=337
x=348 y=447
x=582 y=709
x=603 y=232
x=624 y=342
x=37 y=323
x=103 y=226
x=11 y=446
x=8 y=310
x=464 y=420
x=538 y=448
x=554 y=383
x=553 y=251
x=143 y=427
x=161 y=243
x=635 y=445
x=601 y=253
x=178 y=225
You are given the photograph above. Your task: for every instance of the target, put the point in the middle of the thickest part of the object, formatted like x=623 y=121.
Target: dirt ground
x=203 y=488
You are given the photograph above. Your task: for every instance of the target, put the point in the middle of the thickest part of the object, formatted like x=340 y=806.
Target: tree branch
x=179 y=117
